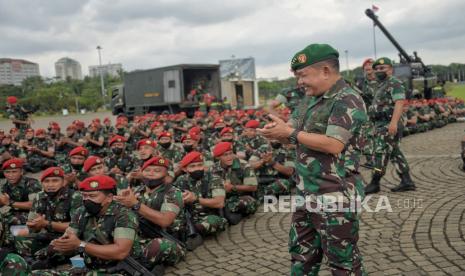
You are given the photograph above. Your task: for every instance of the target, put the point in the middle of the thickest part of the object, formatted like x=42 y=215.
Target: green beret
x=311 y=54
x=382 y=61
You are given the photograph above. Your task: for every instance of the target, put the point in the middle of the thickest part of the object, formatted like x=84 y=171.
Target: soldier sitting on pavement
x=40 y=154
x=73 y=166
x=119 y=161
x=95 y=165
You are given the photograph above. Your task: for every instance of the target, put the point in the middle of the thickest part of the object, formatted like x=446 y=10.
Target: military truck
x=165 y=88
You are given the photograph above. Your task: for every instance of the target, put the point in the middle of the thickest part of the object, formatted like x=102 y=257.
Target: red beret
x=252 y=124
x=156 y=161
x=191 y=157
x=165 y=134
x=40 y=131
x=106 y=120
x=52 y=171
x=195 y=130
x=155 y=124
x=55 y=126
x=79 y=151
x=79 y=124
x=190 y=137
x=116 y=138
x=226 y=130
x=12 y=163
x=366 y=61
x=147 y=142
x=97 y=183
x=218 y=121
x=11 y=99
x=30 y=130
x=221 y=148
x=91 y=161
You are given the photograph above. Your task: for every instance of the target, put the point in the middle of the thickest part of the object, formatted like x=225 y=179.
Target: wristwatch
x=293 y=137
x=82 y=246
x=136 y=206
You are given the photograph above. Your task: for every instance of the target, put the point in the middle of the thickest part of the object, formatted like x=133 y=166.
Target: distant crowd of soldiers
x=147 y=189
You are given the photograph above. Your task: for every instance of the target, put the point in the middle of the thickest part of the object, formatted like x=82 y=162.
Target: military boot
x=406 y=184
x=373 y=187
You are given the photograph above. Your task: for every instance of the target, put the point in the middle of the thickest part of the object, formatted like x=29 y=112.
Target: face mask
x=380 y=76
x=188 y=148
x=227 y=140
x=117 y=151
x=77 y=167
x=92 y=208
x=53 y=135
x=152 y=183
x=52 y=194
x=276 y=145
x=165 y=145
x=196 y=175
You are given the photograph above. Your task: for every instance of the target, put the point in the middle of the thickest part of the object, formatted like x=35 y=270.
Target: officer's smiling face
x=384 y=68
x=154 y=172
x=311 y=79
x=53 y=184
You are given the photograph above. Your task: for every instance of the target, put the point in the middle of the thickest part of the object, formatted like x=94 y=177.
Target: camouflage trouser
x=17 y=266
x=210 y=224
x=422 y=127
x=333 y=234
x=280 y=186
x=409 y=130
x=162 y=251
x=8 y=219
x=368 y=135
x=245 y=205
x=387 y=148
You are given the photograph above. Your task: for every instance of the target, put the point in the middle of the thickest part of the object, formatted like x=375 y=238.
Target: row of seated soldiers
x=151 y=190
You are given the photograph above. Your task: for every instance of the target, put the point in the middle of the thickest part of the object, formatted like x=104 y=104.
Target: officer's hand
x=127 y=198
x=116 y=170
x=278 y=129
x=392 y=129
x=228 y=187
x=4 y=199
x=68 y=242
x=188 y=197
x=38 y=223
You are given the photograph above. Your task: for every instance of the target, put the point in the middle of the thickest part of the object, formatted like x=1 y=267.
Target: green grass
x=457 y=90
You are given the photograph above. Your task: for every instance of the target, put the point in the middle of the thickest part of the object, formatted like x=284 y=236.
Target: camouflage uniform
x=17 y=112
x=164 y=198
x=387 y=147
x=80 y=175
x=367 y=93
x=60 y=208
x=239 y=173
x=36 y=161
x=339 y=113
x=254 y=143
x=290 y=97
x=270 y=181
x=173 y=153
x=124 y=162
x=207 y=220
x=93 y=148
x=25 y=190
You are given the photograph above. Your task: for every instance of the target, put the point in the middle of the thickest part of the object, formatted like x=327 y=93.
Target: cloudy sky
x=144 y=34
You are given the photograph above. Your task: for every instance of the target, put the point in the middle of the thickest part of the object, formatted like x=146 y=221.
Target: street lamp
x=101 y=73
x=347 y=62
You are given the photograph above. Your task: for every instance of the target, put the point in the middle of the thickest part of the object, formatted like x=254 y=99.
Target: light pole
x=347 y=62
x=101 y=73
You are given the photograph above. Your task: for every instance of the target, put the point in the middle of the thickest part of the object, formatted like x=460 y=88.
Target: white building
x=67 y=67
x=111 y=70
x=14 y=71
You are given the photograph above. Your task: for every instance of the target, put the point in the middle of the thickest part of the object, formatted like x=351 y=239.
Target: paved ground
x=425 y=239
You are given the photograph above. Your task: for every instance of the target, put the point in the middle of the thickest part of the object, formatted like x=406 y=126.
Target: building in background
x=67 y=67
x=112 y=70
x=14 y=71
x=238 y=81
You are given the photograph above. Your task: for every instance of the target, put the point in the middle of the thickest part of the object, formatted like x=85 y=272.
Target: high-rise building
x=67 y=67
x=107 y=69
x=14 y=71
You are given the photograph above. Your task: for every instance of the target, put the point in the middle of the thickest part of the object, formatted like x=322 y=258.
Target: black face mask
x=197 y=175
x=52 y=194
x=188 y=148
x=165 y=145
x=227 y=140
x=276 y=145
x=380 y=76
x=77 y=167
x=93 y=208
x=152 y=183
x=53 y=135
x=117 y=151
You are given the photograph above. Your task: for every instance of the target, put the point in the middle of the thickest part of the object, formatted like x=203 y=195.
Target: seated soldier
x=16 y=194
x=73 y=166
x=203 y=194
x=95 y=165
x=240 y=183
x=157 y=204
x=94 y=140
x=273 y=169
x=250 y=140
x=190 y=143
x=168 y=149
x=102 y=231
x=48 y=218
x=40 y=153
x=119 y=161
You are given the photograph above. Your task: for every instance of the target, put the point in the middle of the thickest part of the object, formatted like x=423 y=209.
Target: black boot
x=373 y=187
x=233 y=218
x=406 y=184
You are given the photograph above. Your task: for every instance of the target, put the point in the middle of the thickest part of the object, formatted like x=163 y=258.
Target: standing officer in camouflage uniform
x=16 y=194
x=49 y=216
x=18 y=116
x=329 y=123
x=203 y=194
x=158 y=204
x=240 y=183
x=368 y=91
x=386 y=111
